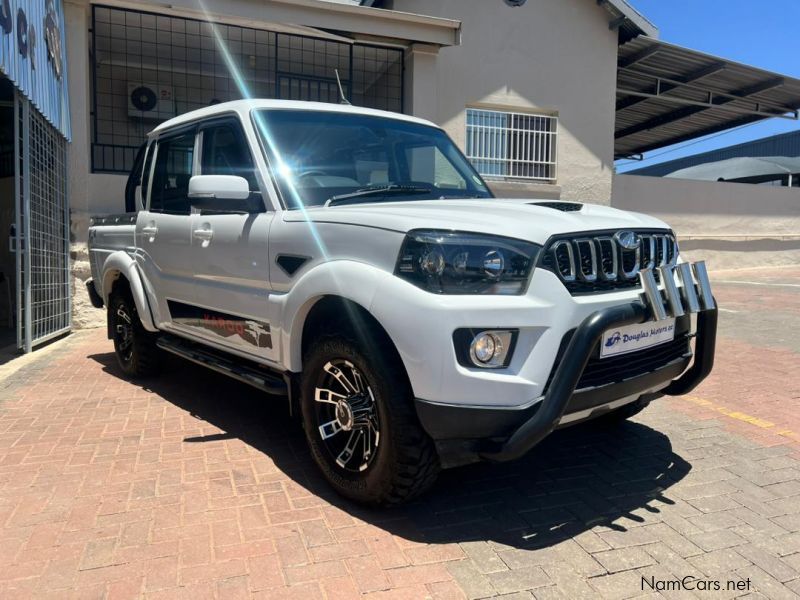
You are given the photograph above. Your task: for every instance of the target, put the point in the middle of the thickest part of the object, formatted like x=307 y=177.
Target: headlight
x=448 y=262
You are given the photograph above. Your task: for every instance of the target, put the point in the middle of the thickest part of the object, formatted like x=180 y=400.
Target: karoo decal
x=251 y=332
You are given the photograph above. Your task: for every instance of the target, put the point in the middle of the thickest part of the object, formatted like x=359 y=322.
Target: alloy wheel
x=347 y=416
x=124 y=333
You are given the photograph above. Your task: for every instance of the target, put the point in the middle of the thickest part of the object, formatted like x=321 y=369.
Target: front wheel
x=361 y=426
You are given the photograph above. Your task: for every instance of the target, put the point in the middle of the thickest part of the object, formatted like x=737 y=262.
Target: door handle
x=205 y=234
x=150 y=230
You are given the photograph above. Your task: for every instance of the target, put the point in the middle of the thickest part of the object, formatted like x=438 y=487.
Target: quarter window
x=173 y=169
x=512 y=145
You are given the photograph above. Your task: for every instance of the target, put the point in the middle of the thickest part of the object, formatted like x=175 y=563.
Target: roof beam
x=757 y=88
x=694 y=76
x=615 y=24
x=639 y=56
x=687 y=111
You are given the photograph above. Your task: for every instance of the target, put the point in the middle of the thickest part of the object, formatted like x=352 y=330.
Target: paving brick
x=552 y=592
x=569 y=582
x=714 y=503
x=618 y=586
x=474 y=583
x=234 y=588
x=715 y=540
x=669 y=559
x=623 y=559
x=446 y=590
x=417 y=574
x=768 y=561
x=484 y=556
x=766 y=584
x=367 y=573
x=291 y=551
x=719 y=561
x=340 y=588
x=516 y=580
x=314 y=572
x=99 y=553
x=434 y=554
x=788 y=522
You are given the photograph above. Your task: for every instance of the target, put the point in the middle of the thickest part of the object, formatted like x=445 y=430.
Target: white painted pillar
x=420 y=96
x=76 y=25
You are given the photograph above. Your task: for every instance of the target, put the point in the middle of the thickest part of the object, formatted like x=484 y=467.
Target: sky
x=761 y=33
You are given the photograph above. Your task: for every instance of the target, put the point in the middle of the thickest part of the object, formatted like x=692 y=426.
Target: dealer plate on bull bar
x=631 y=338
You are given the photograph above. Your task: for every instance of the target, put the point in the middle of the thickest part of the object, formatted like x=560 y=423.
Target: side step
x=241 y=369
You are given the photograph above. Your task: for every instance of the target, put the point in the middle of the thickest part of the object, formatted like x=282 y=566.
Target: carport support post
x=419 y=74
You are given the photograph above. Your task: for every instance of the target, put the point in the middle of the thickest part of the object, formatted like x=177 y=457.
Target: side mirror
x=223 y=193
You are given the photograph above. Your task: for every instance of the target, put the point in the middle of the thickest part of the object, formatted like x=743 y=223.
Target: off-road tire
x=405 y=463
x=141 y=358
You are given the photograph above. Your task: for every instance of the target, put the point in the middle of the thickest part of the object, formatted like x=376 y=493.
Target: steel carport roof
x=740 y=167
x=667 y=94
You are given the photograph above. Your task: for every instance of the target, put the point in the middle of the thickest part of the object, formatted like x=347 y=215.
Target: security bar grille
x=513 y=145
x=44 y=300
x=147 y=68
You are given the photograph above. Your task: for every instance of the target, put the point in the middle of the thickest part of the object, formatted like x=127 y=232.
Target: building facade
x=515 y=102
x=35 y=294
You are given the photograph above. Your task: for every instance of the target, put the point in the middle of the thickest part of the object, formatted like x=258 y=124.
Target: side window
x=173 y=169
x=225 y=152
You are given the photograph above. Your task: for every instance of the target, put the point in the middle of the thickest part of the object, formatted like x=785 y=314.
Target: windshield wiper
x=391 y=189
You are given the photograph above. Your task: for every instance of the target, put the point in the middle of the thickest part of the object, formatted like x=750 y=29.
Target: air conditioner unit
x=150 y=101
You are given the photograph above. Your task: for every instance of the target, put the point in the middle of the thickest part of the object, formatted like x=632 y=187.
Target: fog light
x=491 y=349
x=484 y=347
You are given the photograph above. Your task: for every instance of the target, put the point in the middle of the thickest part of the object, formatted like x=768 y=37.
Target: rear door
x=163 y=229
x=230 y=250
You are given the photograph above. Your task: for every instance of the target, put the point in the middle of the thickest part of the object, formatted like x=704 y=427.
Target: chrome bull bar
x=693 y=295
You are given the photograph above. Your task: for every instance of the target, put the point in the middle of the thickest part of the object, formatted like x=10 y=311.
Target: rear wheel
x=135 y=347
x=361 y=426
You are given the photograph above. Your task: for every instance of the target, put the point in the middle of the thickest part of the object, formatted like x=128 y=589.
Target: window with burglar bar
x=512 y=145
x=147 y=68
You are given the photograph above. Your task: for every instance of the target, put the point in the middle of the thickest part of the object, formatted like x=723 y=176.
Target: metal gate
x=43 y=281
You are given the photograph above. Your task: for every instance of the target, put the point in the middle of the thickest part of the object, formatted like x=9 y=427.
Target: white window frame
x=501 y=149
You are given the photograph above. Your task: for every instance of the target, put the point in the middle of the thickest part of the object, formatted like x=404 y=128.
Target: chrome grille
x=598 y=262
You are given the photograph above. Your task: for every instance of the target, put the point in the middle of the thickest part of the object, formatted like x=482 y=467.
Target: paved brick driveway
x=195 y=486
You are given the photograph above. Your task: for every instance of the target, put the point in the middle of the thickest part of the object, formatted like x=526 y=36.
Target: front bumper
x=502 y=434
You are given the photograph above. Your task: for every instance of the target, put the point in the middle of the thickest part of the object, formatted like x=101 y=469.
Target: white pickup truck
x=353 y=262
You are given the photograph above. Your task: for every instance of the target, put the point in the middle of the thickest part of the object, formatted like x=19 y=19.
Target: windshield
x=321 y=155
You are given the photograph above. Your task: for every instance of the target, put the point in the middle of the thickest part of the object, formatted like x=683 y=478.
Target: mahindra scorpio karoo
x=354 y=263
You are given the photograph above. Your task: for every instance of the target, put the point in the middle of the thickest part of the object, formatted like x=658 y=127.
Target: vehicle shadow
x=578 y=478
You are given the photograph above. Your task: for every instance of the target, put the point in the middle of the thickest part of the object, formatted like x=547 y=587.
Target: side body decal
x=230 y=328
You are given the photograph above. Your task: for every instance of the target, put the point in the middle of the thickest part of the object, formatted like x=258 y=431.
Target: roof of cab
x=244 y=107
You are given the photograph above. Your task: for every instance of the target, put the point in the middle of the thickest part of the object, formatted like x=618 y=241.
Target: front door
x=230 y=252
x=163 y=229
